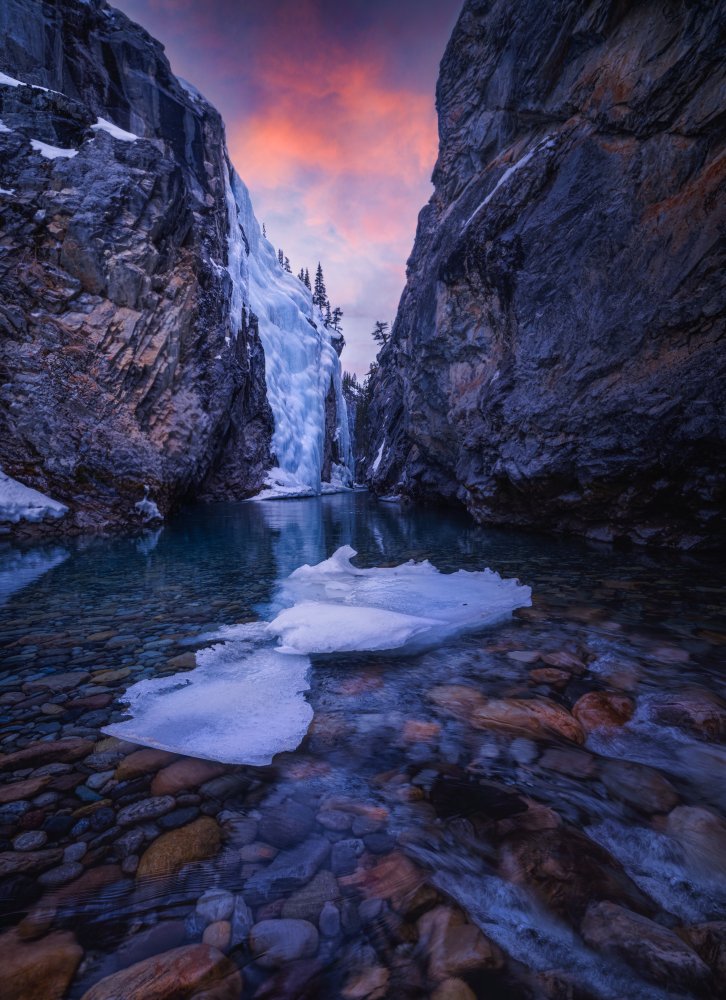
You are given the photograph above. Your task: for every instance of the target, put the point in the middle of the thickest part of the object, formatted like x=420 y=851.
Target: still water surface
x=458 y=820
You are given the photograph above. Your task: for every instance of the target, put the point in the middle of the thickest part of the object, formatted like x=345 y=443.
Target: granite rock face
x=558 y=359
x=118 y=365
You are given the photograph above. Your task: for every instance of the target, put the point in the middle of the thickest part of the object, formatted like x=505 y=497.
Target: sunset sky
x=330 y=117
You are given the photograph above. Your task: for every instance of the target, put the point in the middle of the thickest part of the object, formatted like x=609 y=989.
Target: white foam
x=337 y=607
x=239 y=706
x=530 y=934
x=662 y=868
x=22 y=503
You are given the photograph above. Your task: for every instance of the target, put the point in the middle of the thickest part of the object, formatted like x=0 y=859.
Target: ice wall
x=300 y=359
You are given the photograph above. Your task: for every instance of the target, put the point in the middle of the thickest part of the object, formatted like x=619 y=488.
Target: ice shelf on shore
x=22 y=503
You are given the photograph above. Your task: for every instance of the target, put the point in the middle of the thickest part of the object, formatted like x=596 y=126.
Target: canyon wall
x=131 y=357
x=558 y=358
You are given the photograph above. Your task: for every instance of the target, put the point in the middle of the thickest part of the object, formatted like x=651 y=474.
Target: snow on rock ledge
x=22 y=503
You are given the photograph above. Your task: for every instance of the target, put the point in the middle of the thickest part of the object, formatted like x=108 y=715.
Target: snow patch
x=337 y=607
x=10 y=81
x=7 y=191
x=52 y=152
x=3 y=127
x=118 y=133
x=22 y=503
x=377 y=460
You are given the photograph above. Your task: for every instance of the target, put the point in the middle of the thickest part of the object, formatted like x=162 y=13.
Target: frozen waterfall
x=300 y=359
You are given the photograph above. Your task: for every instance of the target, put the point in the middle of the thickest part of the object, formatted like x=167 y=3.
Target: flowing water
x=460 y=814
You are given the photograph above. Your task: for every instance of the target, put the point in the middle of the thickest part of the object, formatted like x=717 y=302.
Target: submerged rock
x=181 y=974
x=169 y=852
x=454 y=947
x=602 y=710
x=536 y=717
x=655 y=951
x=43 y=968
x=274 y=942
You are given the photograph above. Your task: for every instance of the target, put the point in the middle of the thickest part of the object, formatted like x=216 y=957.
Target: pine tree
x=306 y=278
x=264 y=230
x=301 y=275
x=280 y=258
x=287 y=265
x=336 y=318
x=380 y=333
x=328 y=315
x=320 y=295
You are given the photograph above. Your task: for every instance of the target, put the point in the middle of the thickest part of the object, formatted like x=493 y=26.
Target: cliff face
x=120 y=367
x=558 y=358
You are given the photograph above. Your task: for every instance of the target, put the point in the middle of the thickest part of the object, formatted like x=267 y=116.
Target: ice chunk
x=337 y=607
x=337 y=628
x=104 y=125
x=147 y=508
x=21 y=503
x=239 y=706
x=52 y=152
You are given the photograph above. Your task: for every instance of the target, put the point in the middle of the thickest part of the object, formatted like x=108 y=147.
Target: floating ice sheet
x=245 y=700
x=240 y=706
x=337 y=607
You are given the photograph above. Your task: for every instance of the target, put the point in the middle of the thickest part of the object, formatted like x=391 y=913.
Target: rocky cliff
x=130 y=354
x=558 y=358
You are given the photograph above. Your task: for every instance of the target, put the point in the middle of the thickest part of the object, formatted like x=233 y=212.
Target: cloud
x=330 y=120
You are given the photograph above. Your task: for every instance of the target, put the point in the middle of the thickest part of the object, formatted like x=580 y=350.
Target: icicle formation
x=300 y=360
